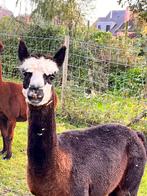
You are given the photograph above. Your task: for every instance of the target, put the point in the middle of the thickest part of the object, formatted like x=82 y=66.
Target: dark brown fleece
x=99 y=161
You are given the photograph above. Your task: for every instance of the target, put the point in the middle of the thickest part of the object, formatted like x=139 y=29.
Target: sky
x=101 y=8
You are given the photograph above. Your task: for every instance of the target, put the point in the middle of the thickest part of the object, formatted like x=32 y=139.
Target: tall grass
x=103 y=108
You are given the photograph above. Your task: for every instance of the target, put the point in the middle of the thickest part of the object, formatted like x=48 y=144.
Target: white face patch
x=42 y=65
x=39 y=67
x=37 y=79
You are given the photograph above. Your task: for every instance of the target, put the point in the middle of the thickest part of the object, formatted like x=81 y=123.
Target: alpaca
x=106 y=160
x=13 y=109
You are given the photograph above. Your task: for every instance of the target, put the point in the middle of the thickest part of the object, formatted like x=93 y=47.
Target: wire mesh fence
x=35 y=45
x=104 y=84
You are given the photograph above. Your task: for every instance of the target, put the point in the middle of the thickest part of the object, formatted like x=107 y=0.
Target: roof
x=116 y=16
x=5 y=12
x=104 y=19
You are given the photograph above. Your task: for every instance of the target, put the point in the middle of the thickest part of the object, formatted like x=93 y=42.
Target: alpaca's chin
x=37 y=102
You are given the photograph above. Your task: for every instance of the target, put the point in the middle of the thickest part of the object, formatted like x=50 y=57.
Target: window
x=107 y=28
x=99 y=26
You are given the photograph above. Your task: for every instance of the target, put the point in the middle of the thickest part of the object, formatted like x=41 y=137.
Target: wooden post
x=144 y=48
x=65 y=72
x=126 y=30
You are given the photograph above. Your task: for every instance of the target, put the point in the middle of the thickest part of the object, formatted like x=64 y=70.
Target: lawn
x=13 y=172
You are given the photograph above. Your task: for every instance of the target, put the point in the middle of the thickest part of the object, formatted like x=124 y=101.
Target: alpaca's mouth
x=35 y=101
x=35 y=96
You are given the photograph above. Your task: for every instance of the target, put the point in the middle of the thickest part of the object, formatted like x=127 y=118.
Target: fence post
x=64 y=75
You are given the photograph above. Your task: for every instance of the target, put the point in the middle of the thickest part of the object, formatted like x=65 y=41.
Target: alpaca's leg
x=81 y=191
x=9 y=139
x=132 y=178
x=3 y=127
x=120 y=193
x=3 y=131
x=88 y=190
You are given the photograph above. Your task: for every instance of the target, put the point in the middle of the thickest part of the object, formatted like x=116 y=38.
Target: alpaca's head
x=38 y=72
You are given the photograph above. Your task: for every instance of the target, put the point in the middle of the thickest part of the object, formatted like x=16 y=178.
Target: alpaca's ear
x=22 y=51
x=60 y=55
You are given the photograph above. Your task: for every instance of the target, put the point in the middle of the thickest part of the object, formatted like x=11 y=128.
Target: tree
x=138 y=7
x=67 y=12
x=11 y=25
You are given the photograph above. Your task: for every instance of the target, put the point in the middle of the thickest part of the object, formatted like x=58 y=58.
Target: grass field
x=13 y=172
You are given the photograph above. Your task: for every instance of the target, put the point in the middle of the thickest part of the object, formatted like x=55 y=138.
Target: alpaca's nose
x=35 y=94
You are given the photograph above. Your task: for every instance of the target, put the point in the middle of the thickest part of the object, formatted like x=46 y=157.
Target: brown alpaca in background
x=12 y=109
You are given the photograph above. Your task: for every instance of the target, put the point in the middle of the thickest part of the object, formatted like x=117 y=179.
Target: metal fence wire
x=104 y=84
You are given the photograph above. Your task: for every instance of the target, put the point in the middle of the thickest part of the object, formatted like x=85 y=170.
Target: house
x=5 y=12
x=115 y=22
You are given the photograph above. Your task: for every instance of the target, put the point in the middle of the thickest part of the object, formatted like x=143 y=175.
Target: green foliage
x=102 y=38
x=90 y=60
x=11 y=26
x=139 y=7
x=37 y=31
x=129 y=82
x=38 y=40
x=67 y=13
x=102 y=108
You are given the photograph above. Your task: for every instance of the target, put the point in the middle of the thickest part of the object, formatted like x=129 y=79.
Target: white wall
x=104 y=24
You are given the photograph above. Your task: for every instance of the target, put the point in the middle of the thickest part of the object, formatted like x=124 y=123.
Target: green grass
x=13 y=172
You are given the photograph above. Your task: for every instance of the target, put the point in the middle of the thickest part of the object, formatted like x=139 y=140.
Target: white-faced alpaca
x=99 y=161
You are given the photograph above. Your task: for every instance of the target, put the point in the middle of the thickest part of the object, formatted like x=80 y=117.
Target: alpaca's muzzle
x=35 y=94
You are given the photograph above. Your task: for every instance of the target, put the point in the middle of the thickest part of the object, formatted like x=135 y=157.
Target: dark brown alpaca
x=12 y=109
x=106 y=160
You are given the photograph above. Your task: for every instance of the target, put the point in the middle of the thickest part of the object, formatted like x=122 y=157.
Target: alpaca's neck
x=42 y=139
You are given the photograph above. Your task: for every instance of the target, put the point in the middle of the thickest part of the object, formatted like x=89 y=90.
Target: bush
x=129 y=83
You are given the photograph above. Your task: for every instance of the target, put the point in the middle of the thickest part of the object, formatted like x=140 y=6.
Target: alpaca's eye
x=49 y=78
x=27 y=74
